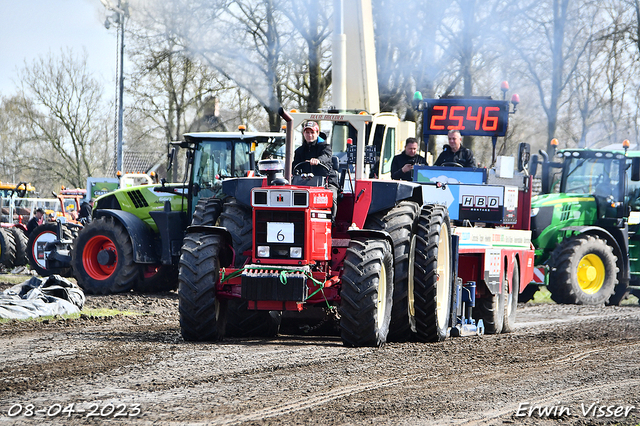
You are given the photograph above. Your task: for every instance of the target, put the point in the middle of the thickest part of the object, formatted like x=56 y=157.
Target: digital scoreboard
x=474 y=117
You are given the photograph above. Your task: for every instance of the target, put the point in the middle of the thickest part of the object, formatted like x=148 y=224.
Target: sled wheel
x=511 y=301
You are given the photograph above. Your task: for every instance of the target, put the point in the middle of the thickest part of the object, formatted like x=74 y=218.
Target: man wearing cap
x=36 y=220
x=317 y=153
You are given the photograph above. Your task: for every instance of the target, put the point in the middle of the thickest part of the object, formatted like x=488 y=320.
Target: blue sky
x=33 y=28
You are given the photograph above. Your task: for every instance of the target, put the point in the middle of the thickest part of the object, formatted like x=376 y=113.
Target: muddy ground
x=580 y=364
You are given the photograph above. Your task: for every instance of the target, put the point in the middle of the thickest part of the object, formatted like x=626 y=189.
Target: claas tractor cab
x=135 y=237
x=585 y=234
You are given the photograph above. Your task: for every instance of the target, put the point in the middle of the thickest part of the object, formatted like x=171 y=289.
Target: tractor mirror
x=533 y=165
x=524 y=153
x=170 y=157
x=635 y=169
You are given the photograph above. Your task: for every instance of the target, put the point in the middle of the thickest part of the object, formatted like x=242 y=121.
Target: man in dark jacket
x=402 y=164
x=455 y=152
x=314 y=156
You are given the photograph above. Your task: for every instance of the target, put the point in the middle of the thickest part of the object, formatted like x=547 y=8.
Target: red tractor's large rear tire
x=22 y=243
x=7 y=248
x=366 y=293
x=400 y=222
x=202 y=315
x=433 y=276
x=102 y=258
x=585 y=271
x=38 y=238
x=158 y=279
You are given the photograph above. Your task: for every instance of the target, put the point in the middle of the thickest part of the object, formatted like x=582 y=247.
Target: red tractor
x=385 y=264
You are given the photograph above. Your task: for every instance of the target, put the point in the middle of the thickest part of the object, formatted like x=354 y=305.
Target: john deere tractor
x=586 y=236
x=135 y=237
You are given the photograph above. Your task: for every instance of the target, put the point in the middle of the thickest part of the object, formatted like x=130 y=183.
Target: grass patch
x=14 y=279
x=92 y=313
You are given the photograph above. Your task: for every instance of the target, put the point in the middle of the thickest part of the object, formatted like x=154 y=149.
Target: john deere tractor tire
x=620 y=292
x=367 y=293
x=585 y=271
x=38 y=238
x=433 y=276
x=202 y=315
x=511 y=301
x=207 y=211
x=157 y=279
x=102 y=258
x=242 y=322
x=400 y=222
x=22 y=242
x=7 y=248
x=238 y=220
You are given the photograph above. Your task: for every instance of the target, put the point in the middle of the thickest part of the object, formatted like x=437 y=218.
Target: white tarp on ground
x=38 y=297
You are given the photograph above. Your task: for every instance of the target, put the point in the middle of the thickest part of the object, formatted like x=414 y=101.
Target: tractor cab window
x=593 y=175
x=388 y=151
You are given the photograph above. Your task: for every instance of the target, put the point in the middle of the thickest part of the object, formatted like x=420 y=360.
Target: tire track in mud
x=510 y=410
x=479 y=372
x=308 y=402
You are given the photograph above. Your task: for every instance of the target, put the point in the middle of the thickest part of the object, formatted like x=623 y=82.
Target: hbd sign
x=480 y=202
x=483 y=203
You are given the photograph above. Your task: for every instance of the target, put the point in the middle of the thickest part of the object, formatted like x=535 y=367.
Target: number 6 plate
x=279 y=232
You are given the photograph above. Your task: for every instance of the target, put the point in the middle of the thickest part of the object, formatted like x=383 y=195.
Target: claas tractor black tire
x=527 y=294
x=102 y=258
x=157 y=279
x=22 y=243
x=7 y=248
x=238 y=220
x=400 y=222
x=242 y=322
x=511 y=301
x=39 y=237
x=207 y=211
x=366 y=292
x=585 y=271
x=433 y=274
x=202 y=315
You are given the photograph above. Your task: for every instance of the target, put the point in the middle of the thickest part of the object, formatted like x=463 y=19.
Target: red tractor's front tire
x=102 y=258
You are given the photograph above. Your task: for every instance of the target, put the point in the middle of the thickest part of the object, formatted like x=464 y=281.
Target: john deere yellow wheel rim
x=591 y=273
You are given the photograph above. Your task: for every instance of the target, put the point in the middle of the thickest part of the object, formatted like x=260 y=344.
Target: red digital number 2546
x=454 y=118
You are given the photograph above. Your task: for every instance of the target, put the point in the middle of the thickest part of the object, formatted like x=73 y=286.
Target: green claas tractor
x=135 y=237
x=586 y=236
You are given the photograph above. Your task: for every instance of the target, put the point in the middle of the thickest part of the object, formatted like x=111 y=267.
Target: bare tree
x=311 y=21
x=170 y=90
x=62 y=107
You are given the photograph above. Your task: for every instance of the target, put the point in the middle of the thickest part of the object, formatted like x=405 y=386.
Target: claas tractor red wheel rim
x=90 y=254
